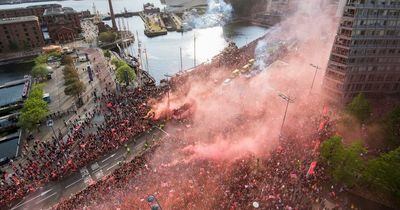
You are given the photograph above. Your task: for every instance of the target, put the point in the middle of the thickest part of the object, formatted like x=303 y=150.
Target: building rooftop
x=58 y=11
x=5 y=21
x=34 y=7
x=45 y=6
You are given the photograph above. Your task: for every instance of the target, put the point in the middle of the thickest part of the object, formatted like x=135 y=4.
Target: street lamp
x=153 y=202
x=316 y=70
x=288 y=100
x=169 y=87
x=50 y=124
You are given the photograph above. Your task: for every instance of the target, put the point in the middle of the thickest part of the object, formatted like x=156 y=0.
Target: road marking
x=162 y=130
x=120 y=156
x=112 y=166
x=41 y=194
x=99 y=174
x=41 y=200
x=73 y=183
x=108 y=157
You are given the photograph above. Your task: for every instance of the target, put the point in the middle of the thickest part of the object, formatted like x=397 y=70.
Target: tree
x=384 y=172
x=36 y=91
x=35 y=109
x=118 y=63
x=73 y=85
x=70 y=72
x=331 y=150
x=40 y=71
x=344 y=163
x=41 y=59
x=66 y=60
x=392 y=126
x=107 y=54
x=359 y=108
x=108 y=36
x=75 y=89
x=125 y=74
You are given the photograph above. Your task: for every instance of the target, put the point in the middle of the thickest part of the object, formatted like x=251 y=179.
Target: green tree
x=108 y=36
x=41 y=59
x=331 y=151
x=118 y=63
x=344 y=163
x=384 y=172
x=35 y=109
x=125 y=73
x=359 y=107
x=56 y=54
x=36 y=91
x=40 y=71
x=70 y=72
x=75 y=89
x=107 y=54
x=66 y=60
x=392 y=126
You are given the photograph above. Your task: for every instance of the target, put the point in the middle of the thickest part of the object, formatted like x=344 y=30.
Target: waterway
x=163 y=52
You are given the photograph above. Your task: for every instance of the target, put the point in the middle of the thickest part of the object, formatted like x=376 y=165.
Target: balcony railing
x=374 y=6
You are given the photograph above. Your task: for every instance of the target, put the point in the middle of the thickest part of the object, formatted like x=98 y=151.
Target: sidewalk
x=61 y=103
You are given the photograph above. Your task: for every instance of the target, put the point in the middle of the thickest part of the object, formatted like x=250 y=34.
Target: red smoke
x=236 y=120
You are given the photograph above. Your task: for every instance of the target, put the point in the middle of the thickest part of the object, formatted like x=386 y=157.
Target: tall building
x=365 y=56
x=36 y=10
x=63 y=24
x=20 y=34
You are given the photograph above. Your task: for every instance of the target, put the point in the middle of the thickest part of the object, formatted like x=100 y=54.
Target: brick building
x=36 y=10
x=63 y=23
x=20 y=33
x=365 y=56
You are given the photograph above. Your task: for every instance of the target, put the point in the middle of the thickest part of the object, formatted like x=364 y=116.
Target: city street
x=53 y=192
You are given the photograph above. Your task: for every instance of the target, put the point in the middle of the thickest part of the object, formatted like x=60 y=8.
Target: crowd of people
x=277 y=180
x=124 y=117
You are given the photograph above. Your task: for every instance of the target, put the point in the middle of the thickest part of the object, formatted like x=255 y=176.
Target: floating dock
x=153 y=24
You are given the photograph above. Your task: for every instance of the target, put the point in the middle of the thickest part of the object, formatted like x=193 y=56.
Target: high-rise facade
x=365 y=56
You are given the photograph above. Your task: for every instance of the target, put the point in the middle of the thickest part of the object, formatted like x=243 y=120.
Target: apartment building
x=365 y=56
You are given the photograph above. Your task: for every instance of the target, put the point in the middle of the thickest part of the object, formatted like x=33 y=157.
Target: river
x=163 y=51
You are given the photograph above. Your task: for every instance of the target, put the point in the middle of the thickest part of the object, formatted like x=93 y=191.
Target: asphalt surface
x=53 y=192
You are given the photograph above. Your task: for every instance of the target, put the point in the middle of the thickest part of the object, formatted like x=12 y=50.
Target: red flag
x=312 y=168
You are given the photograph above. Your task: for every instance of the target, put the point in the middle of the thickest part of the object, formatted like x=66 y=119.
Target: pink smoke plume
x=218 y=107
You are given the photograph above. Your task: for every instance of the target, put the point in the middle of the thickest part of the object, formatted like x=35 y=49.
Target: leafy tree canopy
x=66 y=60
x=40 y=71
x=359 y=108
x=36 y=91
x=108 y=36
x=125 y=73
x=107 y=53
x=118 y=63
x=75 y=89
x=384 y=172
x=41 y=59
x=35 y=109
x=392 y=126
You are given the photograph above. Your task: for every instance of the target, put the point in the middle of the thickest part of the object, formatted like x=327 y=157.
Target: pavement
x=53 y=192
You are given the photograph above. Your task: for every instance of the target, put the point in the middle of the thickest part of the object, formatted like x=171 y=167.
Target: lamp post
x=315 y=74
x=169 y=87
x=288 y=100
x=194 y=50
x=50 y=124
